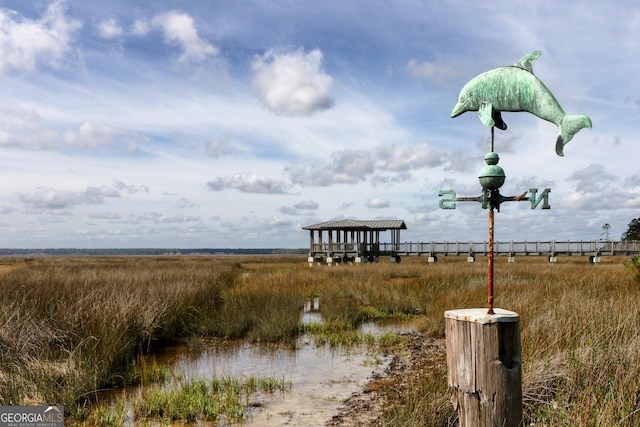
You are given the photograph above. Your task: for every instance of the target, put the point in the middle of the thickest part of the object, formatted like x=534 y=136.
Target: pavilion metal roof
x=355 y=224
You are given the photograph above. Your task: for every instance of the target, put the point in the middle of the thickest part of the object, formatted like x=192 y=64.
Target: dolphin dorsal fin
x=526 y=63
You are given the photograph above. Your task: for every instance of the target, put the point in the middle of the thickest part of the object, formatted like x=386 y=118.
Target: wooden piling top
x=479 y=315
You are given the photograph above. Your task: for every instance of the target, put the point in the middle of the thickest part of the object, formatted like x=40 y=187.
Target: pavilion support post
x=311 y=257
x=365 y=241
x=484 y=367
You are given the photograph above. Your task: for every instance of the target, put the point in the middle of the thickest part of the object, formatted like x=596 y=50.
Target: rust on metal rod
x=490 y=262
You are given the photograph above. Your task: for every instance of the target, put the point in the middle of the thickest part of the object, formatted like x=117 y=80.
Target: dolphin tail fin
x=569 y=126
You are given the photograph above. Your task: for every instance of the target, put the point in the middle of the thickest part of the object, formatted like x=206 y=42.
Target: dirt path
x=366 y=407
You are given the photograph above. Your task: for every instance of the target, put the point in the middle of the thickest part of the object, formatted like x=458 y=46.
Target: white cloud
x=141 y=28
x=47 y=198
x=249 y=183
x=385 y=165
x=306 y=204
x=217 y=184
x=25 y=42
x=25 y=128
x=109 y=29
x=179 y=29
x=299 y=208
x=16 y=124
x=217 y=147
x=158 y=218
x=310 y=174
x=292 y=83
x=92 y=135
x=131 y=189
x=400 y=158
x=378 y=203
x=345 y=167
x=592 y=179
x=437 y=71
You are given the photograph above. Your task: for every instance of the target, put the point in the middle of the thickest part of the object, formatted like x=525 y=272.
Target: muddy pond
x=320 y=377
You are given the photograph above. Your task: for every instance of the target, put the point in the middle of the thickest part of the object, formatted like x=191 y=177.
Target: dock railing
x=510 y=248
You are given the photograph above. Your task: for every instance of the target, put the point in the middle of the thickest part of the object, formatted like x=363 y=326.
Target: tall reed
x=69 y=326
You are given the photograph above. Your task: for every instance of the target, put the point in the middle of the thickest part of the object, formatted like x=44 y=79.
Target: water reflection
x=311 y=311
x=321 y=377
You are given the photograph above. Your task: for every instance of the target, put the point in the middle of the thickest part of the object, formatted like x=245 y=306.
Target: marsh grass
x=188 y=401
x=200 y=400
x=337 y=333
x=579 y=327
x=580 y=342
x=72 y=325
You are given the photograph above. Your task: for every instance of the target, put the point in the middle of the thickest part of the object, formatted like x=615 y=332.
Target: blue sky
x=235 y=123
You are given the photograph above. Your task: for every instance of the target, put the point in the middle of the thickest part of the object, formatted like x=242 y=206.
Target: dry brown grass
x=72 y=325
x=69 y=325
x=579 y=325
x=580 y=340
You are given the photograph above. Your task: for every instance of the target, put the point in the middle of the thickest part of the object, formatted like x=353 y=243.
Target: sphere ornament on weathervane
x=491 y=176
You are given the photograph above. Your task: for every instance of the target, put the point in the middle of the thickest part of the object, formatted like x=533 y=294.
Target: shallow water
x=321 y=378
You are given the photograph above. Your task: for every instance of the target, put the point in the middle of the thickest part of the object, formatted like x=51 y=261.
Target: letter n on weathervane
x=544 y=197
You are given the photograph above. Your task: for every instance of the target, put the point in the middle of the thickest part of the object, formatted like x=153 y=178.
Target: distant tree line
x=152 y=251
x=633 y=230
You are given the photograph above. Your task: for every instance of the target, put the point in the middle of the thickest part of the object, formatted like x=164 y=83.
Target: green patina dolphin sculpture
x=516 y=88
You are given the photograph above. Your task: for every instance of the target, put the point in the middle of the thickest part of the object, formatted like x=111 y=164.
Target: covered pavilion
x=353 y=239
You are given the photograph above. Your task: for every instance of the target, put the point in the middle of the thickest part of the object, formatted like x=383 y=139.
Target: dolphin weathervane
x=515 y=88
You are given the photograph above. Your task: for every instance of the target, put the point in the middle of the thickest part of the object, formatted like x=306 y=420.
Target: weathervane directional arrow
x=493 y=199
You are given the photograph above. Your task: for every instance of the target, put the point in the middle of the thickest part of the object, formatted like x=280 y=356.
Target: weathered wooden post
x=483 y=345
x=484 y=367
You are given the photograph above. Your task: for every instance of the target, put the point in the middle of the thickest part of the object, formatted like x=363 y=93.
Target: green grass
x=188 y=402
x=200 y=400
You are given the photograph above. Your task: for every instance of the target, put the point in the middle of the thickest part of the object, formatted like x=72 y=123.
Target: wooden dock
x=514 y=248
x=352 y=251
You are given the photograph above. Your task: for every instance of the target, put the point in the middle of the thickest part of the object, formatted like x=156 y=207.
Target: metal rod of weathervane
x=490 y=262
x=490 y=254
x=492 y=132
